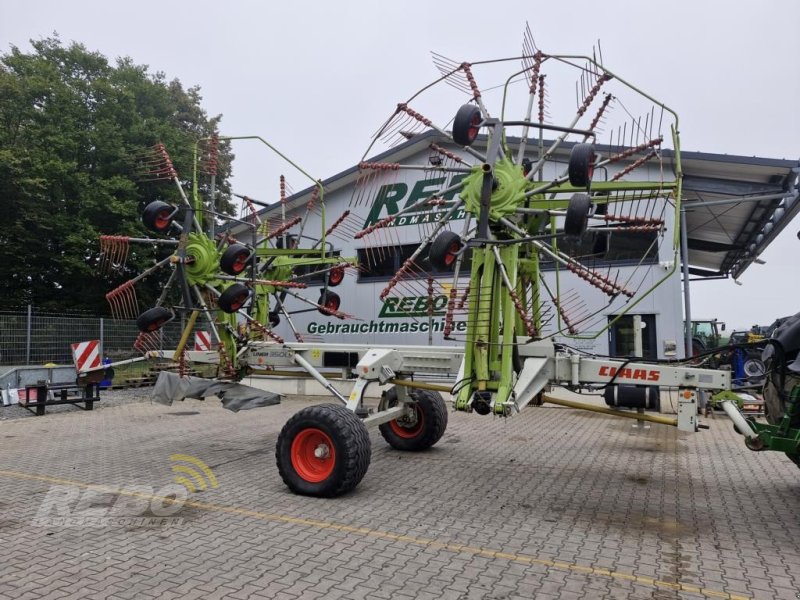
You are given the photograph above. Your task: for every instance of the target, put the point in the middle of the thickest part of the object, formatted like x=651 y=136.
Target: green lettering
x=423 y=189
x=388 y=196
x=389 y=307
x=406 y=305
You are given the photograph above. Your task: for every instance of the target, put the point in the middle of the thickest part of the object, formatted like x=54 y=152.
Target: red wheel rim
x=331 y=304
x=155 y=325
x=472 y=132
x=239 y=301
x=590 y=170
x=313 y=455
x=336 y=275
x=162 y=219
x=240 y=262
x=409 y=431
x=450 y=256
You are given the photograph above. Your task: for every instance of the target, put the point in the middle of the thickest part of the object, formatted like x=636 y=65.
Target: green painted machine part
x=240 y=286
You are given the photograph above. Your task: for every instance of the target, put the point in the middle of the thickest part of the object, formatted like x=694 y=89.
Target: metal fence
x=36 y=337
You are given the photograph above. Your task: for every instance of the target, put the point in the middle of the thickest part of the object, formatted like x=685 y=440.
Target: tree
x=71 y=124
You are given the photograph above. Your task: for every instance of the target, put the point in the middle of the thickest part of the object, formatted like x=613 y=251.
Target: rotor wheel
x=158 y=216
x=577 y=218
x=335 y=276
x=466 y=125
x=423 y=428
x=444 y=250
x=323 y=451
x=581 y=165
x=235 y=259
x=274 y=319
x=154 y=319
x=329 y=302
x=233 y=298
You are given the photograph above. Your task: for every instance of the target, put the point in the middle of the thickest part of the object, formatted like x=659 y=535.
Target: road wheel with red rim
x=329 y=302
x=335 y=276
x=157 y=216
x=444 y=251
x=422 y=428
x=154 y=319
x=234 y=259
x=233 y=298
x=581 y=165
x=466 y=125
x=323 y=451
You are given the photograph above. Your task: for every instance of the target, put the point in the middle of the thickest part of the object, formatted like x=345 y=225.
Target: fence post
x=102 y=340
x=28 y=340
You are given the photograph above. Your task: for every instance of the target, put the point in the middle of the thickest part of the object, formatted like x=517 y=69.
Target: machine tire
x=466 y=125
x=329 y=302
x=443 y=251
x=581 y=165
x=754 y=368
x=335 y=276
x=233 y=298
x=577 y=218
x=347 y=441
x=274 y=319
x=235 y=259
x=431 y=412
x=154 y=318
x=157 y=216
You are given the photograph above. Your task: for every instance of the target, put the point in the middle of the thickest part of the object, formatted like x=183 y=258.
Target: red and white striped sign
x=202 y=341
x=86 y=355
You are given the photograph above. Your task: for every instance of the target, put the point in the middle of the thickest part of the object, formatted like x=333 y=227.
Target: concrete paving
x=553 y=503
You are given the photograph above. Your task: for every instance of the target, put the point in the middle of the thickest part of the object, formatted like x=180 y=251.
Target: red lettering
x=604 y=371
x=653 y=376
x=640 y=374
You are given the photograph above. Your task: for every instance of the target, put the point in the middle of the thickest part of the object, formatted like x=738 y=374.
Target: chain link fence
x=35 y=337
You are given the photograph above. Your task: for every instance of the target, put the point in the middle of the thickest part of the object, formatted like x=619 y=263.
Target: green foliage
x=70 y=124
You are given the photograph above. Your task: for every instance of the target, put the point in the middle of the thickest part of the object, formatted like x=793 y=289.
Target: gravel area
x=108 y=398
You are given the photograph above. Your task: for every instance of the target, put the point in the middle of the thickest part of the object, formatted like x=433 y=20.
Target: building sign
x=374 y=326
x=391 y=196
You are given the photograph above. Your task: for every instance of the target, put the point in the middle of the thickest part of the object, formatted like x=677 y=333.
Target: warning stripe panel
x=202 y=341
x=86 y=355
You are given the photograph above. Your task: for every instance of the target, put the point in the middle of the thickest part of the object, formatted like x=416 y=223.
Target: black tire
x=466 y=125
x=235 y=259
x=154 y=319
x=329 y=302
x=347 y=440
x=581 y=165
x=157 y=216
x=795 y=458
x=577 y=217
x=274 y=319
x=443 y=251
x=335 y=276
x=431 y=421
x=233 y=298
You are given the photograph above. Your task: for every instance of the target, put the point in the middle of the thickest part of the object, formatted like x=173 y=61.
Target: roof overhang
x=735 y=206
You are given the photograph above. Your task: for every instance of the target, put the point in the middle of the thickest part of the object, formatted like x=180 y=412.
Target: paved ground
x=550 y=504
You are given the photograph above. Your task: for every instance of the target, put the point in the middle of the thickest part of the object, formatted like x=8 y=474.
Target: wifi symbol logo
x=192 y=476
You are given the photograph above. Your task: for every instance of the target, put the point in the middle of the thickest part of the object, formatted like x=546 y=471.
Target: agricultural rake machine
x=241 y=287
x=522 y=196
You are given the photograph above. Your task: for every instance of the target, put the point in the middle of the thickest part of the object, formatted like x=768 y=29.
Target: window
x=621 y=342
x=383 y=262
x=603 y=248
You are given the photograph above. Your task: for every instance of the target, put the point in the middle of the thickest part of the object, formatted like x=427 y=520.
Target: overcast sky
x=317 y=78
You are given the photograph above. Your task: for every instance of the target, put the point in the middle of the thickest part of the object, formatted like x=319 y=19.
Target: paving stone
x=577 y=505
